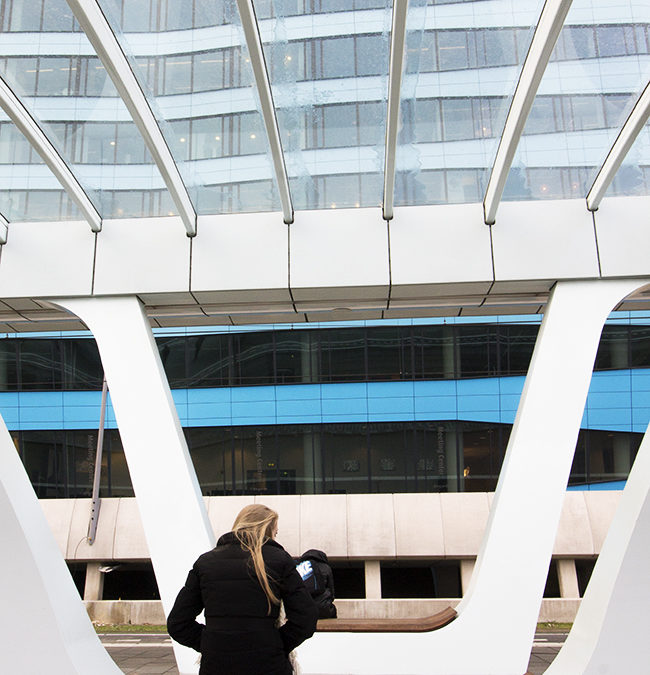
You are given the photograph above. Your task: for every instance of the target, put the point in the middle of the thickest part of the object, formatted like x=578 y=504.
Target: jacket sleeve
x=181 y=623
x=301 y=610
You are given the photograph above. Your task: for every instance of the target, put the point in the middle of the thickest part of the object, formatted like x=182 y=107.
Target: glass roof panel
x=633 y=177
x=599 y=67
x=462 y=64
x=66 y=89
x=193 y=65
x=329 y=77
x=30 y=191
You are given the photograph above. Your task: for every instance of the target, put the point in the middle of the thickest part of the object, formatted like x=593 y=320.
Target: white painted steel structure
x=256 y=52
x=552 y=256
x=21 y=117
x=398 y=39
x=546 y=35
x=90 y=16
x=631 y=129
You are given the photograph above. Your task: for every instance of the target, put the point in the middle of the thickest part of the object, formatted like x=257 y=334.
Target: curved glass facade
x=327 y=63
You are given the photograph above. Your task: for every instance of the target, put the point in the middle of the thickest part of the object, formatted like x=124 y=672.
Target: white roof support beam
x=256 y=53
x=26 y=123
x=626 y=137
x=546 y=34
x=93 y=22
x=397 y=40
x=4 y=229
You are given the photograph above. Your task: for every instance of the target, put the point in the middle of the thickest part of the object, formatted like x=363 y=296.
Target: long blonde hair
x=254 y=526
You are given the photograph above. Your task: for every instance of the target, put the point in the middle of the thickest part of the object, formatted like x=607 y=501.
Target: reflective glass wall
x=383 y=457
x=390 y=353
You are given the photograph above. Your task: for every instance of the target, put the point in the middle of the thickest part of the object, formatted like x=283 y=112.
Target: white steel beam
x=548 y=29
x=256 y=53
x=26 y=123
x=397 y=40
x=93 y=22
x=173 y=512
x=4 y=229
x=45 y=598
x=628 y=134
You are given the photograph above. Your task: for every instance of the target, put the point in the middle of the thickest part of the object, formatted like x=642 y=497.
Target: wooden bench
x=422 y=624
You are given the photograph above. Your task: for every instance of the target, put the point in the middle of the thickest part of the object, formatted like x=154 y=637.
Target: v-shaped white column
x=494 y=631
x=44 y=627
x=610 y=633
x=169 y=499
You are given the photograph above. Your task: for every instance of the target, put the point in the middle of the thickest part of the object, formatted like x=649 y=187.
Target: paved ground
x=152 y=654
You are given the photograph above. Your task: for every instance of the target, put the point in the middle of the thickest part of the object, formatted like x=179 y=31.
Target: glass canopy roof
x=190 y=107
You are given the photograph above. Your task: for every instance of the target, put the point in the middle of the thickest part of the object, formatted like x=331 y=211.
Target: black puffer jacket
x=240 y=637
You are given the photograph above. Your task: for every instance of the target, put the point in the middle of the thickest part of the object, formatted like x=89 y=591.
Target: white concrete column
x=94 y=586
x=169 y=499
x=466 y=571
x=44 y=627
x=372 y=570
x=521 y=530
x=568 y=578
x=610 y=632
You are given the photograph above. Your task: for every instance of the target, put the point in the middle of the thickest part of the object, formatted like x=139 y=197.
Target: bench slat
x=416 y=625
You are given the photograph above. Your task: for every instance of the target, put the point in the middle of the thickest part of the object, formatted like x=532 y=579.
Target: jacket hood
x=314 y=554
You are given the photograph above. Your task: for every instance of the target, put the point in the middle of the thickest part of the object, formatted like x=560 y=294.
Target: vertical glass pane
x=172 y=355
x=40 y=365
x=256 y=460
x=254 y=358
x=343 y=355
x=331 y=82
x=434 y=352
x=201 y=87
x=65 y=88
x=82 y=367
x=8 y=363
x=345 y=458
x=516 y=344
x=44 y=458
x=293 y=357
x=211 y=452
x=610 y=456
x=599 y=68
x=481 y=457
x=386 y=358
x=118 y=471
x=209 y=363
x=477 y=351
x=387 y=447
x=432 y=465
x=459 y=77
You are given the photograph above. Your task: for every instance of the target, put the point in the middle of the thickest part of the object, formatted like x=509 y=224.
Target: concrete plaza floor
x=152 y=654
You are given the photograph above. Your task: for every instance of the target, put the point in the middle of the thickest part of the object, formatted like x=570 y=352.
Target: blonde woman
x=240 y=585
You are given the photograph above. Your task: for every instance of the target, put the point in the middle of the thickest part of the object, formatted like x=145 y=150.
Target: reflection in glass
x=581 y=119
x=343 y=458
x=330 y=92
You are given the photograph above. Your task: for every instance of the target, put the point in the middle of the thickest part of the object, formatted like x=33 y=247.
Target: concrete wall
x=349 y=527
x=366 y=528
